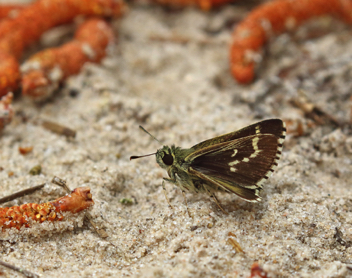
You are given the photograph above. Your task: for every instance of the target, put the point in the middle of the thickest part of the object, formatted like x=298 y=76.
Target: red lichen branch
x=273 y=18
x=79 y=199
x=44 y=71
x=205 y=5
x=19 y=32
x=10 y=10
x=6 y=111
x=10 y=75
x=257 y=271
x=42 y=15
x=18 y=216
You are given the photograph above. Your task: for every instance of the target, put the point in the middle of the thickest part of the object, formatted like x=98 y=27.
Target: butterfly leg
x=183 y=192
x=212 y=195
x=218 y=203
x=167 y=199
x=184 y=196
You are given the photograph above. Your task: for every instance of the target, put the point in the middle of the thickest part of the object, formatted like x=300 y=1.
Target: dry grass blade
x=235 y=245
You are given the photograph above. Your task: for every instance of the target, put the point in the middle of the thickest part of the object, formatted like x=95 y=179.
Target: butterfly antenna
x=142 y=128
x=139 y=156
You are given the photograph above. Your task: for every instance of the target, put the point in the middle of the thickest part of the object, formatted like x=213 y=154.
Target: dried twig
x=21 y=193
x=312 y=111
x=20 y=270
x=59 y=129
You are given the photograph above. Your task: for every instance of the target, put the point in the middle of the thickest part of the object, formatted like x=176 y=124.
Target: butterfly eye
x=168 y=159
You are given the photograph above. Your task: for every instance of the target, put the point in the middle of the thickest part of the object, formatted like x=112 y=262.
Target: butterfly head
x=165 y=157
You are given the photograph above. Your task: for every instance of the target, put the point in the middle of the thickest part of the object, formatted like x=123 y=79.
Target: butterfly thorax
x=172 y=158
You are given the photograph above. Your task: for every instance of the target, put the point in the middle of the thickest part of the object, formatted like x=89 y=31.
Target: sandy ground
x=169 y=72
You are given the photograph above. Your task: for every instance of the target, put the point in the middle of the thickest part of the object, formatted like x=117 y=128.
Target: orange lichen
x=257 y=271
x=10 y=10
x=43 y=72
x=19 y=216
x=18 y=32
x=273 y=18
x=6 y=111
x=205 y=5
x=79 y=199
x=25 y=150
x=43 y=15
x=9 y=72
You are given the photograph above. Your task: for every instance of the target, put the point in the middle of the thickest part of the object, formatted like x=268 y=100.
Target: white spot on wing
x=234 y=162
x=257 y=129
x=255 y=147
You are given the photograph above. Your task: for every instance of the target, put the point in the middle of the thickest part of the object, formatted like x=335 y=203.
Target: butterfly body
x=238 y=162
x=173 y=160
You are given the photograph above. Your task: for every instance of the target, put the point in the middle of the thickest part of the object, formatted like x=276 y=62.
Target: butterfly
x=238 y=162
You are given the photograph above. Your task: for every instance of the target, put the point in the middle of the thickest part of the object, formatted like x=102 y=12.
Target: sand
x=169 y=72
